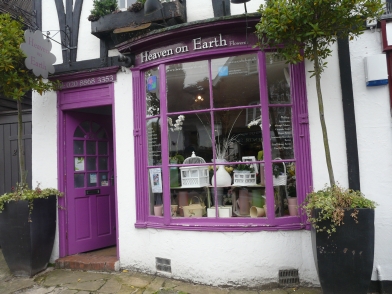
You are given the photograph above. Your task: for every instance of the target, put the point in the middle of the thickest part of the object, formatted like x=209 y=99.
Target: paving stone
x=155 y=285
x=66 y=291
x=235 y=291
x=111 y=286
x=129 y=289
x=200 y=289
x=304 y=290
x=137 y=280
x=88 y=286
x=39 y=290
x=15 y=284
x=61 y=277
x=273 y=291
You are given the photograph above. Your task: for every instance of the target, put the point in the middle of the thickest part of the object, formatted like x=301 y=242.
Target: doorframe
x=63 y=105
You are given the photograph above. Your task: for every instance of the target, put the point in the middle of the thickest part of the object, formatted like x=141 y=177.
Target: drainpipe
x=349 y=114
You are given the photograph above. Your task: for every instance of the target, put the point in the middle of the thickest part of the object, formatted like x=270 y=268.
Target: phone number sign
x=88 y=82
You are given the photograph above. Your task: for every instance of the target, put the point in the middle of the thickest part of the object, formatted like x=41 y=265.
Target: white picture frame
x=251 y=158
x=156 y=180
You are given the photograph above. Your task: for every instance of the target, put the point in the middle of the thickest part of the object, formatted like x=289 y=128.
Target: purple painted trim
x=62 y=217
x=139 y=138
x=114 y=138
x=301 y=134
x=61 y=151
x=85 y=74
x=214 y=227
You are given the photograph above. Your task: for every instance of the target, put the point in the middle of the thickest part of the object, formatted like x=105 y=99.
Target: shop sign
x=194 y=45
x=39 y=59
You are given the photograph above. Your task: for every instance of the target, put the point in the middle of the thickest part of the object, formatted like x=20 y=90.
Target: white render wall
x=251 y=258
x=373 y=118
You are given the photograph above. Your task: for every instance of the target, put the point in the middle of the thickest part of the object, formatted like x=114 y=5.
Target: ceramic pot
x=244 y=202
x=293 y=210
x=158 y=210
x=223 y=178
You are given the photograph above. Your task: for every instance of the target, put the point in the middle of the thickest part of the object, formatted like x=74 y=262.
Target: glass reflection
x=278 y=80
x=187 y=86
x=152 y=92
x=281 y=132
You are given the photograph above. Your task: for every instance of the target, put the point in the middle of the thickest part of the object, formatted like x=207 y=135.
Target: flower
x=177 y=126
x=255 y=122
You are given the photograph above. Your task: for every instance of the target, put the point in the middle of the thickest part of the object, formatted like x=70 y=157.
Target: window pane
x=190 y=133
x=190 y=202
x=79 y=133
x=103 y=163
x=90 y=147
x=152 y=92
x=102 y=148
x=285 y=189
x=78 y=147
x=155 y=191
x=94 y=127
x=91 y=179
x=79 y=180
x=154 y=141
x=235 y=136
x=91 y=163
x=281 y=133
x=104 y=180
x=278 y=80
x=86 y=126
x=235 y=80
x=101 y=134
x=79 y=164
x=187 y=86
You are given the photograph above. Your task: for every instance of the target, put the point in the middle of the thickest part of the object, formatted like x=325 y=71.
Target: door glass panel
x=78 y=147
x=102 y=134
x=79 y=133
x=187 y=86
x=90 y=147
x=103 y=163
x=152 y=92
x=91 y=179
x=102 y=148
x=278 y=80
x=79 y=163
x=154 y=141
x=104 y=180
x=91 y=163
x=78 y=180
x=235 y=80
x=281 y=133
x=95 y=127
x=86 y=126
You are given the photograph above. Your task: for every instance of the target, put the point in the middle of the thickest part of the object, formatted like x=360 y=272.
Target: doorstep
x=104 y=260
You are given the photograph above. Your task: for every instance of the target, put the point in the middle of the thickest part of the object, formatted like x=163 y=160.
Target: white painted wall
x=373 y=117
x=236 y=258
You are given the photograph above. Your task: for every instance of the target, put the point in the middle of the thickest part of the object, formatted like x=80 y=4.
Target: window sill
x=222 y=227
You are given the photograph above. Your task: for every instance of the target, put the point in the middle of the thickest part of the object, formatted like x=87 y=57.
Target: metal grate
x=288 y=277
x=163 y=264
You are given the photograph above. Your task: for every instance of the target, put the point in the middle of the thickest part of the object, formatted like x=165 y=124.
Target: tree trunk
x=321 y=114
x=22 y=168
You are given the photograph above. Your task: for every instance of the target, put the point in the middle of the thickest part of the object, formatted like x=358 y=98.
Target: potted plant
x=28 y=216
x=342 y=237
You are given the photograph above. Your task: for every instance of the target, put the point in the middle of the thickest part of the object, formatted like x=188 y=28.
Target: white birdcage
x=194 y=176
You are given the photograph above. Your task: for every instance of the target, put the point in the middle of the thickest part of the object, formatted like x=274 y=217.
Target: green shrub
x=103 y=7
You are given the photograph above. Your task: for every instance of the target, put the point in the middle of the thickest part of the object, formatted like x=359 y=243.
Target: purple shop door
x=90 y=192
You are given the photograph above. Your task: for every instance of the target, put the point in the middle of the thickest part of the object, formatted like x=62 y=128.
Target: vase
x=223 y=178
x=27 y=245
x=344 y=259
x=174 y=174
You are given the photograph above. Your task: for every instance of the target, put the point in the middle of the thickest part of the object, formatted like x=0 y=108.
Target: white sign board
x=37 y=50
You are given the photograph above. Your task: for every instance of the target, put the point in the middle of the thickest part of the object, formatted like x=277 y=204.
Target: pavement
x=60 y=281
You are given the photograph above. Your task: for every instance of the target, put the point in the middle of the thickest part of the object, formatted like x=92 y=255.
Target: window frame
x=301 y=141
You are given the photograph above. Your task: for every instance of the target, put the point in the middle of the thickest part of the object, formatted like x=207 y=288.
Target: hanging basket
x=281 y=180
x=194 y=176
